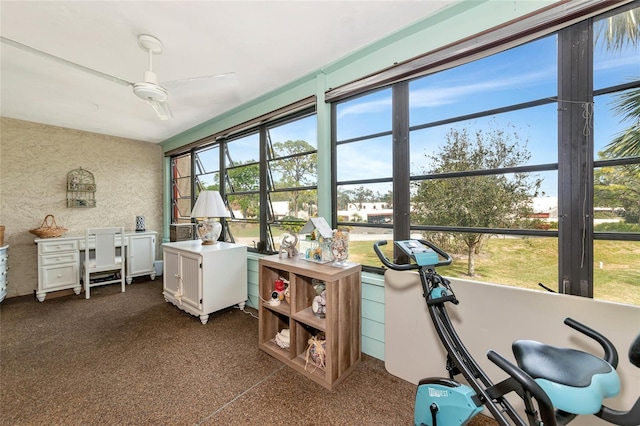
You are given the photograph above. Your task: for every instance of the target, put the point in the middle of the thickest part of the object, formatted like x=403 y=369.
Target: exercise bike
x=567 y=382
x=444 y=401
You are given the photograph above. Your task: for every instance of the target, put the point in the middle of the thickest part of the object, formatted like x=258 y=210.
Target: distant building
x=375 y=213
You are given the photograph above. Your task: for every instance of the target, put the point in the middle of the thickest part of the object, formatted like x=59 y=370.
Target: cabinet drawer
x=57 y=246
x=59 y=258
x=56 y=276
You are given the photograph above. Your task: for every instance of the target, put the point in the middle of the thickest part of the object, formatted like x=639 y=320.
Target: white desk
x=59 y=260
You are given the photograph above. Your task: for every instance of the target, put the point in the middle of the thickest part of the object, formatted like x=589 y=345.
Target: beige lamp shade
x=209 y=205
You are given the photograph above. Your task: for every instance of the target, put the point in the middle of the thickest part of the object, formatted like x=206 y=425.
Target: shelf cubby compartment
x=304 y=333
x=340 y=326
x=273 y=323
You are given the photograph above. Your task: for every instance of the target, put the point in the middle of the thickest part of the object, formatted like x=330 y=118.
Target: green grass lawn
x=524 y=262
x=519 y=262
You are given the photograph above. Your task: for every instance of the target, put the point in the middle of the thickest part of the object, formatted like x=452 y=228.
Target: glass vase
x=340 y=246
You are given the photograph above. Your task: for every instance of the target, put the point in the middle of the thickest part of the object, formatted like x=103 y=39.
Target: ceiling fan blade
x=162 y=109
x=222 y=76
x=58 y=59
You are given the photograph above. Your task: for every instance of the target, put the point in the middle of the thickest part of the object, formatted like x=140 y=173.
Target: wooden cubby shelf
x=340 y=326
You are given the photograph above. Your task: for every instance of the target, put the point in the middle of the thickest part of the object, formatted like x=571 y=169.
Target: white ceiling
x=265 y=43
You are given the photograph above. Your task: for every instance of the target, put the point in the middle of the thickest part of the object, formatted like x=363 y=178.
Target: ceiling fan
x=148 y=89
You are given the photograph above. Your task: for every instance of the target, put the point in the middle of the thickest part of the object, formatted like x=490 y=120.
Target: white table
x=59 y=260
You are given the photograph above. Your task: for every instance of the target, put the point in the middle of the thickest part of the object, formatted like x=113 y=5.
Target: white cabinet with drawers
x=58 y=266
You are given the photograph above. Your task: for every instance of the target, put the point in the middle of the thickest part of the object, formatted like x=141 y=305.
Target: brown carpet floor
x=133 y=359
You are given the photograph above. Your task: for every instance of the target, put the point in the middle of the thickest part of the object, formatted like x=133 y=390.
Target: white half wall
x=492 y=316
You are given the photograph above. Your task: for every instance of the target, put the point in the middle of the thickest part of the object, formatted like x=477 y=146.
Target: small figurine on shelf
x=280 y=290
x=319 y=305
x=288 y=244
x=283 y=338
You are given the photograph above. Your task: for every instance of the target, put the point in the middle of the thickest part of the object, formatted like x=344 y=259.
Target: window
x=181 y=189
x=487 y=159
x=292 y=176
x=266 y=174
x=242 y=187
x=364 y=171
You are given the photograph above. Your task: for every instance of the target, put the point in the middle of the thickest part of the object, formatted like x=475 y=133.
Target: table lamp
x=209 y=205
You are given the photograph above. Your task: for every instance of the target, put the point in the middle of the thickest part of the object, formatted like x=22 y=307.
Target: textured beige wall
x=34 y=162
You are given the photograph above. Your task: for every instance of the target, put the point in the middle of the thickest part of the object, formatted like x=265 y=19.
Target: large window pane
x=616 y=55
x=365 y=203
x=245 y=232
x=294 y=171
x=532 y=130
x=243 y=150
x=207 y=164
x=616 y=273
x=373 y=159
x=361 y=239
x=294 y=205
x=243 y=178
x=302 y=129
x=365 y=115
x=617 y=199
x=500 y=80
x=245 y=206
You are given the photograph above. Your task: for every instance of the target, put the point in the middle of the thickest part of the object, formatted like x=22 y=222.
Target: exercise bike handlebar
x=610 y=352
x=406 y=267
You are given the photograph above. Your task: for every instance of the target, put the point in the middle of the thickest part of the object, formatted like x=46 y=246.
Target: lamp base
x=209 y=231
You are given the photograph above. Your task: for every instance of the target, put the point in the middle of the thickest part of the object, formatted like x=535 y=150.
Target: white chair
x=103 y=257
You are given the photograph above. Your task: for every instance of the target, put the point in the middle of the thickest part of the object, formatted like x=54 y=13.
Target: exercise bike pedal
x=445 y=402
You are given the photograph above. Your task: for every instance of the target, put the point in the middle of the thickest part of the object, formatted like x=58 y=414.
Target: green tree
x=485 y=201
x=627 y=143
x=296 y=170
x=244 y=178
x=616 y=33
x=619 y=187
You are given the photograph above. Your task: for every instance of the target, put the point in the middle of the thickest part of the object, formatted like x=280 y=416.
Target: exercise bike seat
x=575 y=381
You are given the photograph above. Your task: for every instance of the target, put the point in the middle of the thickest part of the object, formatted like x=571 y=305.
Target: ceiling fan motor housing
x=150 y=92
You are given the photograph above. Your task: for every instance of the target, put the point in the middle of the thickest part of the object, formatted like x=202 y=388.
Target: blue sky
x=522 y=74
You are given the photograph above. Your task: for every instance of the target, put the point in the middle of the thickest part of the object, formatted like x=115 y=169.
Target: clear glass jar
x=340 y=245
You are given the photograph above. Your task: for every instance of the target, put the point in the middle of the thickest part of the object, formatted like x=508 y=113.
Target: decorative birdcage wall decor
x=81 y=189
